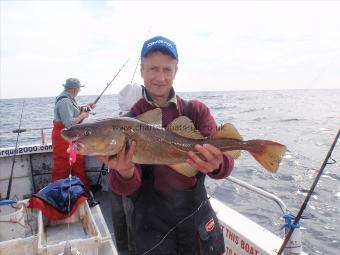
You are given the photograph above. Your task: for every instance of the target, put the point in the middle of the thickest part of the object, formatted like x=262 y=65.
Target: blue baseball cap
x=162 y=43
x=72 y=83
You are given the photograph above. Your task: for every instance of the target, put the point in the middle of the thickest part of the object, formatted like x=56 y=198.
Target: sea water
x=306 y=121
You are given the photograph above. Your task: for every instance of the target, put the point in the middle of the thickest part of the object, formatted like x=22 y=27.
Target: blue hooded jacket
x=57 y=194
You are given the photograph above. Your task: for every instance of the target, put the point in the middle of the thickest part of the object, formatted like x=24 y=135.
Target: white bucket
x=12 y=222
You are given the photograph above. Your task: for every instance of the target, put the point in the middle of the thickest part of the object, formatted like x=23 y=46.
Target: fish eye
x=87 y=132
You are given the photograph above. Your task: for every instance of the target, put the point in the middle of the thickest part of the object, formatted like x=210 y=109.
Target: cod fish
x=166 y=146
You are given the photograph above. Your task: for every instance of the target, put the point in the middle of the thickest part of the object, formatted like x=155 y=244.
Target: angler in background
x=67 y=113
x=163 y=198
x=122 y=206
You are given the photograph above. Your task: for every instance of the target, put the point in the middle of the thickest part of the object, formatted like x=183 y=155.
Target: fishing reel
x=85 y=108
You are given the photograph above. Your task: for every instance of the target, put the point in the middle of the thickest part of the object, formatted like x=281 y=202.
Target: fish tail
x=267 y=153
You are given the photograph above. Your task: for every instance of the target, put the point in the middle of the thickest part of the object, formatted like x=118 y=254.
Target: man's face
x=158 y=71
x=73 y=92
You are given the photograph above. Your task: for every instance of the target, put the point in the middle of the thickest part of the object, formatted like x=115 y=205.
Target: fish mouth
x=68 y=136
x=77 y=146
x=70 y=139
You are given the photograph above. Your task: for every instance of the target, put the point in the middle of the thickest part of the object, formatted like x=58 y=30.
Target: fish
x=166 y=146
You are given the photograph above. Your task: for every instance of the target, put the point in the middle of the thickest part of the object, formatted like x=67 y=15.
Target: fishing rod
x=310 y=192
x=114 y=77
x=21 y=130
x=15 y=153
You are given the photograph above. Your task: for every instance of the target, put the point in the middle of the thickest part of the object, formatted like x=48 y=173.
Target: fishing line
x=15 y=153
x=317 y=178
x=68 y=248
x=184 y=219
x=72 y=159
x=134 y=72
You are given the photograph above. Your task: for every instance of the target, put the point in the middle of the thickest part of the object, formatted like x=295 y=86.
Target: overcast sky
x=222 y=45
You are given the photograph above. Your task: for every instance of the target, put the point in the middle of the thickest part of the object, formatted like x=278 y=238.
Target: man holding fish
x=158 y=68
x=163 y=168
x=161 y=206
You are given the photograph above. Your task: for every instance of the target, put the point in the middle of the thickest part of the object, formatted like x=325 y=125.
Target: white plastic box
x=101 y=224
x=12 y=221
x=19 y=246
x=79 y=229
x=106 y=244
x=25 y=242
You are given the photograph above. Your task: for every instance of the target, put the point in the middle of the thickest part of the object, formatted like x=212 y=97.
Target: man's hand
x=92 y=105
x=212 y=158
x=122 y=163
x=80 y=117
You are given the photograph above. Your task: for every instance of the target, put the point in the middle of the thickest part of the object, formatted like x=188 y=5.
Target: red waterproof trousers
x=61 y=166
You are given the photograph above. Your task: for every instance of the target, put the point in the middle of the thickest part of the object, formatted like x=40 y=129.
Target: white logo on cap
x=159 y=42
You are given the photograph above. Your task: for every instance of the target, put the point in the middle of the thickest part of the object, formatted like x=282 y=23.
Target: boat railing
x=42 y=132
x=43 y=135
x=261 y=192
x=294 y=245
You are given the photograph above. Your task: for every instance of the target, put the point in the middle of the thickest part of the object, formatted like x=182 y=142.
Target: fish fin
x=184 y=126
x=234 y=154
x=227 y=130
x=152 y=117
x=267 y=153
x=184 y=169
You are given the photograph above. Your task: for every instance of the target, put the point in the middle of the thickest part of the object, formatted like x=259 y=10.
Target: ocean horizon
x=182 y=92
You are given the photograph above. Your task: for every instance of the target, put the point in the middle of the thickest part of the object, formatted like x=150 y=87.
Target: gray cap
x=72 y=83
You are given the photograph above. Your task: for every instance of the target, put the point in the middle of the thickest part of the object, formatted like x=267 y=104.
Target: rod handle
x=19 y=130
